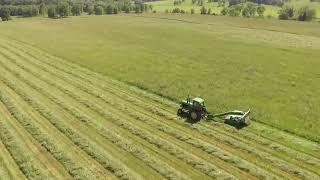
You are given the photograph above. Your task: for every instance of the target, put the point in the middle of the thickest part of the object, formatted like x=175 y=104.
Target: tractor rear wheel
x=194 y=116
x=179 y=112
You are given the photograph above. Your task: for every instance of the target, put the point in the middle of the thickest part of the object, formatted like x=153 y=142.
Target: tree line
x=63 y=8
x=304 y=13
x=287 y=12
x=247 y=10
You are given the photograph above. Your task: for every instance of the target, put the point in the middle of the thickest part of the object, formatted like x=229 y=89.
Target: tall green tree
x=235 y=10
x=30 y=11
x=209 y=11
x=261 y=10
x=52 y=11
x=98 y=10
x=203 y=10
x=192 y=11
x=5 y=13
x=110 y=8
x=224 y=11
x=77 y=9
x=305 y=13
x=115 y=10
x=252 y=8
x=249 y=10
x=43 y=9
x=286 y=12
x=222 y=3
x=90 y=9
x=63 y=9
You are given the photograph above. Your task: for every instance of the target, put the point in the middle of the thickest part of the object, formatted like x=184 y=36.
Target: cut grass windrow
x=101 y=81
x=10 y=169
x=27 y=165
x=261 y=144
x=159 y=113
x=269 y=146
x=4 y=172
x=200 y=164
x=52 y=146
x=290 y=154
x=293 y=171
x=109 y=163
x=159 y=166
x=172 y=116
x=225 y=156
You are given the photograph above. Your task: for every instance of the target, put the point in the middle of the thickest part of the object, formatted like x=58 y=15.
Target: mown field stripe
x=112 y=165
x=211 y=148
x=275 y=149
x=144 y=93
x=76 y=170
x=249 y=149
x=4 y=171
x=209 y=172
x=17 y=146
x=166 y=174
x=132 y=120
x=222 y=154
x=9 y=168
x=291 y=155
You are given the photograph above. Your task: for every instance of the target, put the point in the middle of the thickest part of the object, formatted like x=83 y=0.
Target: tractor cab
x=198 y=102
x=194 y=109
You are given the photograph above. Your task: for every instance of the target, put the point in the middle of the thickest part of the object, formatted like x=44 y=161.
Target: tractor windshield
x=198 y=104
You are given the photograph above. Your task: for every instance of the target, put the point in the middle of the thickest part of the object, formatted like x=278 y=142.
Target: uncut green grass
x=162 y=6
x=271 y=11
x=278 y=81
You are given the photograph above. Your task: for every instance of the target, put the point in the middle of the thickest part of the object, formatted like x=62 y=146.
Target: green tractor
x=195 y=110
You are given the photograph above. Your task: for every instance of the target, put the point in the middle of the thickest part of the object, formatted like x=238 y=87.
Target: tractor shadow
x=187 y=119
x=236 y=125
x=191 y=121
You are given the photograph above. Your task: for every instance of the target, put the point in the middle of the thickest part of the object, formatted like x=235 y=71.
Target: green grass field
x=271 y=11
x=162 y=6
x=233 y=63
x=96 y=97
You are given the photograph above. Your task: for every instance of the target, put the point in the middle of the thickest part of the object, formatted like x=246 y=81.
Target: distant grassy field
x=269 y=66
x=271 y=11
x=162 y=6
